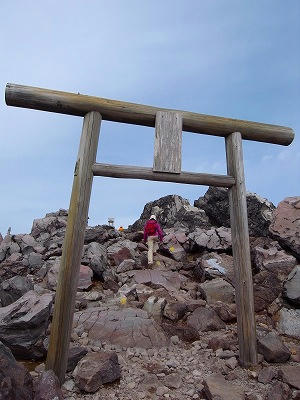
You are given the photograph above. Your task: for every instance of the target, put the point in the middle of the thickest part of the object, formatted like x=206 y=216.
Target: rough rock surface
x=95 y=369
x=48 y=387
x=217 y=290
x=211 y=239
x=14 y=288
x=216 y=205
x=279 y=391
x=23 y=324
x=266 y=287
x=205 y=319
x=15 y=380
x=173 y=212
x=95 y=256
x=271 y=347
x=291 y=375
x=291 y=288
x=126 y=327
x=289 y=322
x=216 y=387
x=286 y=224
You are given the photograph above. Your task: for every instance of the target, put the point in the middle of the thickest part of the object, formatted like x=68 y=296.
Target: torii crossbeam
x=166 y=167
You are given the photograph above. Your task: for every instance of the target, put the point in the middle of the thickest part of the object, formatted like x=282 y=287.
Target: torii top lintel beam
x=131 y=113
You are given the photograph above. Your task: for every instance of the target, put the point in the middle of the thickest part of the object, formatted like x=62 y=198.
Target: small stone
x=161 y=390
x=131 y=385
x=175 y=340
x=69 y=385
x=231 y=362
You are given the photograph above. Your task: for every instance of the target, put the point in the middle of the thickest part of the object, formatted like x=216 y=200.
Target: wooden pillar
x=241 y=252
x=72 y=248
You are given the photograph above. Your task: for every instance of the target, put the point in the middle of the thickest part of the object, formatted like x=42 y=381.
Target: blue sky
x=230 y=58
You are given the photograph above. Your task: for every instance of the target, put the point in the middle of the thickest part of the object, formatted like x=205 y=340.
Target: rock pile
x=169 y=332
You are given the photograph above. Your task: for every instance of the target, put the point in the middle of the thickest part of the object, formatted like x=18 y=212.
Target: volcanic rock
x=23 y=324
x=14 y=288
x=211 y=239
x=126 y=327
x=291 y=288
x=217 y=290
x=15 y=380
x=48 y=387
x=205 y=319
x=216 y=387
x=289 y=322
x=290 y=374
x=286 y=224
x=271 y=347
x=172 y=212
x=279 y=391
x=95 y=369
x=266 y=287
x=215 y=203
x=95 y=256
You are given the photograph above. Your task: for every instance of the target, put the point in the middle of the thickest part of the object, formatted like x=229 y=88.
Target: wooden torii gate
x=166 y=167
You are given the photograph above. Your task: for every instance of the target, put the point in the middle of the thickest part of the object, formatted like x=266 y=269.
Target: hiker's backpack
x=151 y=228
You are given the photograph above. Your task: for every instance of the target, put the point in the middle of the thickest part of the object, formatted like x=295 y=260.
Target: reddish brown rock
x=286 y=224
x=15 y=380
x=216 y=387
x=128 y=327
x=85 y=276
x=227 y=312
x=266 y=375
x=158 y=278
x=205 y=319
x=96 y=369
x=290 y=375
x=48 y=387
x=279 y=391
x=266 y=288
x=185 y=332
x=223 y=341
x=271 y=347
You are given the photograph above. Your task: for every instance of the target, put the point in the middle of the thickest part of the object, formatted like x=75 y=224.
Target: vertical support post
x=72 y=248
x=241 y=252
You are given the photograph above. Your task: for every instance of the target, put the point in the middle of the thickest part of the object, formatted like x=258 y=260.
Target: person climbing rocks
x=152 y=234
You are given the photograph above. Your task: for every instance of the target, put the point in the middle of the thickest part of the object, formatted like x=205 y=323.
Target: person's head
x=153 y=217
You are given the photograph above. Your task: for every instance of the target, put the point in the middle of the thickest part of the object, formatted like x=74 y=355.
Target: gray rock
x=211 y=239
x=95 y=257
x=172 y=212
x=126 y=327
x=15 y=381
x=291 y=288
x=289 y=322
x=279 y=391
x=266 y=287
x=158 y=278
x=291 y=375
x=48 y=387
x=216 y=205
x=14 y=288
x=49 y=225
x=266 y=375
x=285 y=226
x=217 y=290
x=75 y=355
x=205 y=319
x=122 y=250
x=216 y=387
x=23 y=324
x=155 y=307
x=96 y=369
x=271 y=347
x=126 y=265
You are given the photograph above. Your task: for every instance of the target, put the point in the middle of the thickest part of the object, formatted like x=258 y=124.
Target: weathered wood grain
x=130 y=113
x=167 y=142
x=133 y=172
x=241 y=252
x=72 y=248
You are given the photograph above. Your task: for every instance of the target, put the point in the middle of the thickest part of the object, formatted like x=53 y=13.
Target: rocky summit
x=168 y=332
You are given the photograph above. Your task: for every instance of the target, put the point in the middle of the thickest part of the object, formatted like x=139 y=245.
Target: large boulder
x=285 y=226
x=48 y=387
x=216 y=387
x=126 y=327
x=156 y=278
x=216 y=265
x=271 y=257
x=215 y=203
x=15 y=381
x=95 y=256
x=100 y=234
x=210 y=239
x=95 y=369
x=14 y=288
x=122 y=250
x=291 y=288
x=173 y=212
x=271 y=347
x=204 y=319
x=266 y=287
x=42 y=228
x=217 y=290
x=289 y=322
x=23 y=324
x=84 y=281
